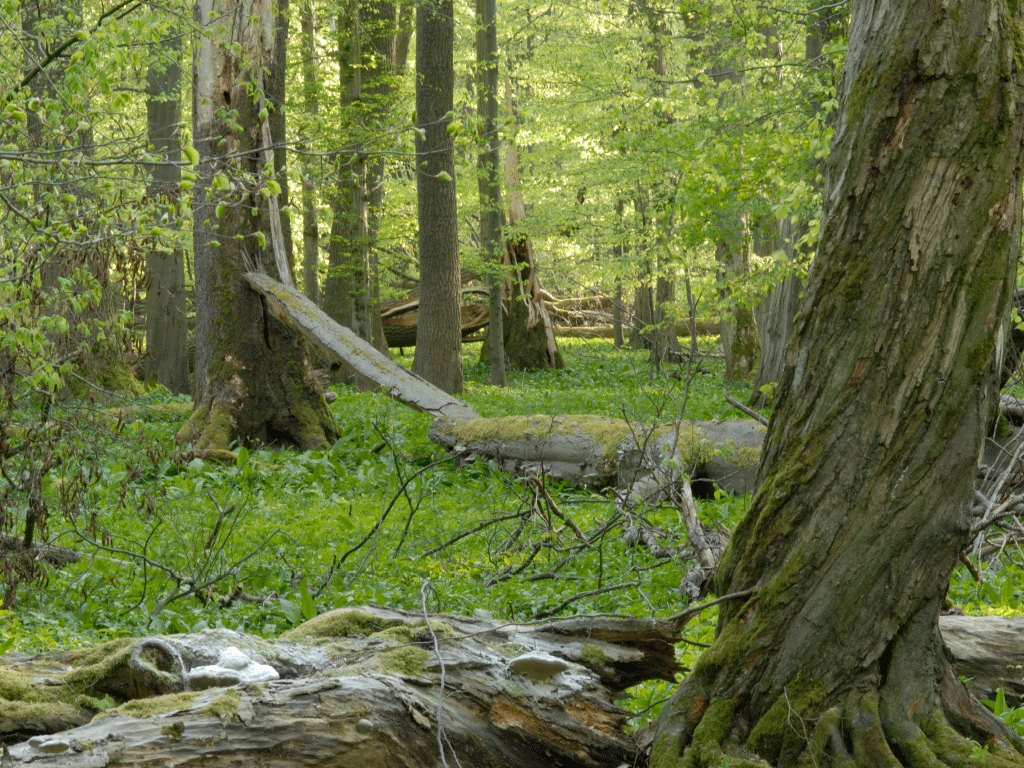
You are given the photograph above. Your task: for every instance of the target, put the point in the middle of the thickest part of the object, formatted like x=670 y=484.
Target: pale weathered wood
x=601 y=451
x=299 y=313
x=988 y=651
x=363 y=687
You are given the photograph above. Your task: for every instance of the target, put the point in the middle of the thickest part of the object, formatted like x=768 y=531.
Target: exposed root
x=865 y=731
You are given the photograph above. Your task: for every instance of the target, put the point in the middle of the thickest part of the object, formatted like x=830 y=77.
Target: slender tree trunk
x=868 y=471
x=253 y=380
x=661 y=340
x=489 y=182
x=311 y=102
x=373 y=48
x=741 y=343
x=438 y=356
x=777 y=310
x=166 y=322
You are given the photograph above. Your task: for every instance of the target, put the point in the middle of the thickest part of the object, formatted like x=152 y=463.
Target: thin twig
x=442 y=739
x=744 y=409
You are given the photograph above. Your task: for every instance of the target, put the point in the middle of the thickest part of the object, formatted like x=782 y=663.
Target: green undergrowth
x=173 y=543
x=262 y=544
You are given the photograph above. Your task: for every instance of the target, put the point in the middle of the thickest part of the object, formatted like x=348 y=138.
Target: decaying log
x=357 y=687
x=293 y=309
x=989 y=652
x=601 y=451
x=377 y=687
x=401 y=318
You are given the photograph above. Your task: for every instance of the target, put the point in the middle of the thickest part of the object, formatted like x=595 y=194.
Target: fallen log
x=601 y=451
x=378 y=688
x=401 y=318
x=988 y=651
x=293 y=309
x=367 y=686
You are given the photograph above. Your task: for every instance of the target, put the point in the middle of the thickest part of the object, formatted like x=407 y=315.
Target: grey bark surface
x=369 y=687
x=166 y=322
x=335 y=340
x=643 y=462
x=438 y=357
x=863 y=498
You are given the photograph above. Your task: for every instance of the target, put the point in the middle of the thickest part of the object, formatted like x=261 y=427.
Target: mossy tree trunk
x=869 y=465
x=252 y=379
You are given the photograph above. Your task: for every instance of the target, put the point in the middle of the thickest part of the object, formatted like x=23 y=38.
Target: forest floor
x=172 y=542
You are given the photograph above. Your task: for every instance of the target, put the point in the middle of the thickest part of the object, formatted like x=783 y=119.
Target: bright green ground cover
x=362 y=521
x=294 y=514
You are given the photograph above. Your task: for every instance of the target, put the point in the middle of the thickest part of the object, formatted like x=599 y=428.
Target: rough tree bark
x=869 y=465
x=489 y=182
x=253 y=381
x=438 y=357
x=166 y=323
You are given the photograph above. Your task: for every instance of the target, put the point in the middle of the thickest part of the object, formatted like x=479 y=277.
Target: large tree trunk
x=438 y=357
x=166 y=322
x=253 y=380
x=869 y=466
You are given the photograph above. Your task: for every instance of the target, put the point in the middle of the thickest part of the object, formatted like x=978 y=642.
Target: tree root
x=867 y=730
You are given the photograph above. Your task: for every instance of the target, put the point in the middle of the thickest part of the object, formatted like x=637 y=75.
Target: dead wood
x=293 y=309
x=378 y=687
x=599 y=451
x=401 y=318
x=367 y=686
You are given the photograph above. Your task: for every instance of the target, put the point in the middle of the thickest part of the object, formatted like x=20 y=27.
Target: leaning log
x=293 y=309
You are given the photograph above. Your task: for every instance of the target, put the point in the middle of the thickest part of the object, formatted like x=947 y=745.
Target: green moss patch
x=157 y=705
x=343 y=622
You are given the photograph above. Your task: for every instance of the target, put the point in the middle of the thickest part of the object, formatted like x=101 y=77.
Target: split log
x=367 y=686
x=601 y=451
x=293 y=309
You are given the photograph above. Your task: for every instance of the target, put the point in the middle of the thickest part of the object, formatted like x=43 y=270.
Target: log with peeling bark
x=368 y=686
x=293 y=309
x=601 y=451
x=378 y=688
